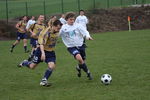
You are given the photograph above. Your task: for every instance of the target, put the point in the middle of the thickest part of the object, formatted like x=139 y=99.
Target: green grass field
x=17 y=8
x=125 y=55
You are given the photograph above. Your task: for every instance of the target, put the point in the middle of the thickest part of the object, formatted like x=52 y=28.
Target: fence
x=12 y=9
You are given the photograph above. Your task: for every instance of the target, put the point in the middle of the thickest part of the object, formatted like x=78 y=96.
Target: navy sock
x=48 y=73
x=13 y=46
x=84 y=67
x=80 y=66
x=26 y=63
x=25 y=48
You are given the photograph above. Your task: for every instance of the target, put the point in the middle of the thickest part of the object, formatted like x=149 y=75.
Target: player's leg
x=25 y=45
x=35 y=61
x=28 y=64
x=16 y=42
x=47 y=74
x=34 y=47
x=14 y=45
x=82 y=65
x=84 y=43
x=50 y=60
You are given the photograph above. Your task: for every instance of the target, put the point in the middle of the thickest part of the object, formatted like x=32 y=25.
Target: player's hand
x=43 y=57
x=90 y=38
x=33 y=34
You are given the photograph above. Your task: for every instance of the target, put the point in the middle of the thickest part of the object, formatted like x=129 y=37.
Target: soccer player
x=72 y=35
x=82 y=19
x=35 y=30
x=51 y=21
x=47 y=41
x=21 y=34
x=62 y=19
x=30 y=22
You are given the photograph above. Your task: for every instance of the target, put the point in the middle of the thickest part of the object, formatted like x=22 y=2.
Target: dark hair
x=69 y=15
x=57 y=22
x=81 y=10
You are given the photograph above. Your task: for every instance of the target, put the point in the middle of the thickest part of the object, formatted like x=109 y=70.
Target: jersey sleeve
x=84 y=32
x=42 y=39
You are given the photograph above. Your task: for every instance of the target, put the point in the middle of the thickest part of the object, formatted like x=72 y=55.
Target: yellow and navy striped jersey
x=22 y=24
x=37 y=28
x=48 y=39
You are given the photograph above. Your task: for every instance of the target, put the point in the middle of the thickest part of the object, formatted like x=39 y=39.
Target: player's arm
x=18 y=26
x=41 y=42
x=85 y=33
x=30 y=29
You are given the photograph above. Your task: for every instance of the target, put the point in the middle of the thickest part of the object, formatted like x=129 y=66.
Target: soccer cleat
x=79 y=71
x=21 y=64
x=89 y=76
x=45 y=83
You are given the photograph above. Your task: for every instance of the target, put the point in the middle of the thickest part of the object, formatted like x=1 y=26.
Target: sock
x=25 y=48
x=79 y=66
x=84 y=67
x=48 y=73
x=13 y=46
x=26 y=63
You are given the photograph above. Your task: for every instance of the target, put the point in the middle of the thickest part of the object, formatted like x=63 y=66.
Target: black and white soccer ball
x=106 y=79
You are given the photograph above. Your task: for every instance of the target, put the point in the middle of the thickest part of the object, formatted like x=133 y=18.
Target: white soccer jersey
x=72 y=35
x=82 y=20
x=30 y=22
x=63 y=21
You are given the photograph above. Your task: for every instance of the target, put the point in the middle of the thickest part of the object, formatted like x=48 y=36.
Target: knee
x=52 y=66
x=79 y=59
x=32 y=66
x=17 y=41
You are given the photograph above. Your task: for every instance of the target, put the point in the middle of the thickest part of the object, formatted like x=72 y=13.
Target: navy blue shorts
x=49 y=56
x=21 y=36
x=33 y=42
x=78 y=50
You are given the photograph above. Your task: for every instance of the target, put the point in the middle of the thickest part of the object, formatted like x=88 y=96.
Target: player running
x=21 y=34
x=35 y=30
x=82 y=19
x=47 y=41
x=72 y=35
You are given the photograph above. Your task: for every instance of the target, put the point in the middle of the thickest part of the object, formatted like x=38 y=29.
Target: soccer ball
x=106 y=79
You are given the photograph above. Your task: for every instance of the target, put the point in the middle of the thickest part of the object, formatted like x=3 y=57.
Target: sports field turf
x=124 y=55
